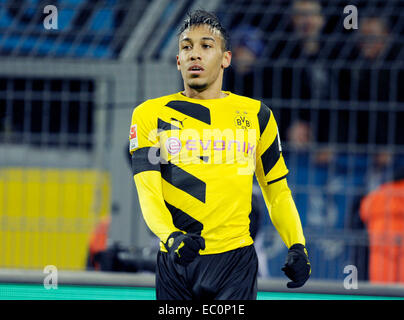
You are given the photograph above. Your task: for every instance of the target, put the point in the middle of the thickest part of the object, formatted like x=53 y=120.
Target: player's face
x=201 y=58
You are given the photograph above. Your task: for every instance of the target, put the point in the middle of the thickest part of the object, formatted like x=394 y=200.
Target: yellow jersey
x=206 y=153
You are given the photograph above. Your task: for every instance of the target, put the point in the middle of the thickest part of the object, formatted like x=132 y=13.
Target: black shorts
x=230 y=275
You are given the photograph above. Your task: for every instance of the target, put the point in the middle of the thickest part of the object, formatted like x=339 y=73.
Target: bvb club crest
x=241 y=121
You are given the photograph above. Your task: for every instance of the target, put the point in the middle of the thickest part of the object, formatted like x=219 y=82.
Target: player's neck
x=208 y=93
x=203 y=95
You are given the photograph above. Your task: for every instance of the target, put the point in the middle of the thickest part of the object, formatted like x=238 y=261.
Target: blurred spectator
x=375 y=41
x=247 y=46
x=305 y=79
x=309 y=81
x=381 y=83
x=98 y=243
x=300 y=135
x=308 y=21
x=382 y=211
x=374 y=80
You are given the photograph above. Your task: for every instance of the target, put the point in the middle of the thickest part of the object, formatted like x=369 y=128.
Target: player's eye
x=186 y=47
x=206 y=46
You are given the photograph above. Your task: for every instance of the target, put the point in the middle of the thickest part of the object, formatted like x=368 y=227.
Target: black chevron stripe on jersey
x=271 y=156
x=146 y=159
x=165 y=126
x=184 y=221
x=184 y=181
x=263 y=117
x=194 y=110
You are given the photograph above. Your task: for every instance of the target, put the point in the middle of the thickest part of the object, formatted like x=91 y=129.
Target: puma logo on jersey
x=180 y=121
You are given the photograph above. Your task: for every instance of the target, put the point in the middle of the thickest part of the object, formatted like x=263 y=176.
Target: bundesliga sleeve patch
x=133 y=142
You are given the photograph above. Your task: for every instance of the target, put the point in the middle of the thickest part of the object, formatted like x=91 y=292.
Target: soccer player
x=194 y=154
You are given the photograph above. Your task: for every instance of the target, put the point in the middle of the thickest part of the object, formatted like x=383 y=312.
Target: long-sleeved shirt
x=193 y=163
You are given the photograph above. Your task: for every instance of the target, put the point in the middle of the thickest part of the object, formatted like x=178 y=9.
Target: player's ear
x=226 y=59
x=178 y=63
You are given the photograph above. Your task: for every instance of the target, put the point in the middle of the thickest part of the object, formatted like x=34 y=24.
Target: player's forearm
x=154 y=210
x=286 y=220
x=283 y=212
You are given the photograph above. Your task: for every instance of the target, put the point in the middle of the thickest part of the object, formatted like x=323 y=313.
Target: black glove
x=184 y=248
x=297 y=266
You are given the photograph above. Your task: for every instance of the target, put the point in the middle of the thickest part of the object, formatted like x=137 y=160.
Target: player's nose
x=195 y=55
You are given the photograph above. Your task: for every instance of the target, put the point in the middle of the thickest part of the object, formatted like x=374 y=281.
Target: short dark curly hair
x=202 y=17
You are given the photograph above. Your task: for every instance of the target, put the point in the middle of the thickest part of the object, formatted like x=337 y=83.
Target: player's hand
x=297 y=266
x=184 y=248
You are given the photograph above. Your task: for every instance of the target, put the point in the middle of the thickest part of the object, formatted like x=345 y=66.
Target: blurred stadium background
x=67 y=197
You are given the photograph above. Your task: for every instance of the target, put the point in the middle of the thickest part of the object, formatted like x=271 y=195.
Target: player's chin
x=197 y=85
